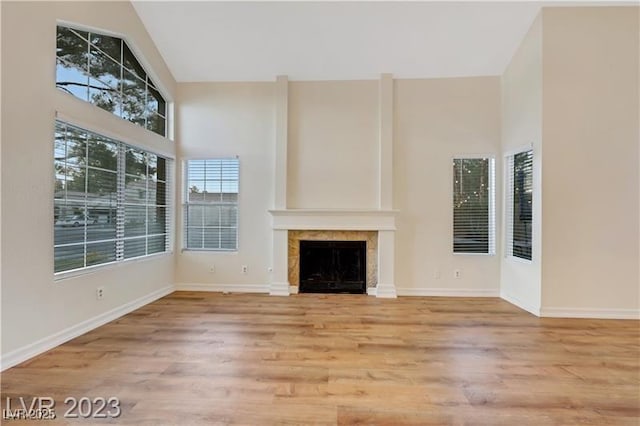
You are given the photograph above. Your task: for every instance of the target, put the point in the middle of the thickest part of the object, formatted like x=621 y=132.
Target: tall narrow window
x=101 y=69
x=211 y=207
x=110 y=200
x=519 y=204
x=473 y=205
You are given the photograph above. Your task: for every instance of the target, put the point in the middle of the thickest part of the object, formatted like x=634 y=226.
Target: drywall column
x=282 y=113
x=279 y=285
x=386 y=239
x=386 y=264
x=385 y=140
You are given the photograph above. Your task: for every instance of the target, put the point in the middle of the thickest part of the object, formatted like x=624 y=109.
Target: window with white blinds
x=110 y=200
x=519 y=205
x=473 y=205
x=211 y=205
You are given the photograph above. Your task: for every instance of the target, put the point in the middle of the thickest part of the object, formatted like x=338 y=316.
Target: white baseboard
x=449 y=292
x=278 y=288
x=223 y=288
x=594 y=313
x=294 y=289
x=387 y=291
x=521 y=304
x=29 y=351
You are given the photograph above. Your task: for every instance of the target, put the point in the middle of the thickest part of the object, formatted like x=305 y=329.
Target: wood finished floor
x=209 y=358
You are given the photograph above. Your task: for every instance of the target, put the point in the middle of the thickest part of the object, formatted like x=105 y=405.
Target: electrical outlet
x=99 y=293
x=456 y=273
x=436 y=274
x=212 y=269
x=244 y=269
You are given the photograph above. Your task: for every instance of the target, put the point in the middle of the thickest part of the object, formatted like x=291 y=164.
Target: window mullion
x=146 y=205
x=204 y=209
x=86 y=190
x=492 y=206
x=89 y=67
x=121 y=82
x=220 y=209
x=120 y=197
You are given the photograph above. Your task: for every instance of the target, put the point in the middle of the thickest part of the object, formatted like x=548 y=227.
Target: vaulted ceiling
x=255 y=41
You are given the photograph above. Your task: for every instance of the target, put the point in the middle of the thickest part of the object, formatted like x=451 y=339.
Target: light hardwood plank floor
x=210 y=358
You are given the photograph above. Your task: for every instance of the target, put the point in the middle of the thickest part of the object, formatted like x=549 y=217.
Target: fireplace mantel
x=382 y=221
x=334 y=219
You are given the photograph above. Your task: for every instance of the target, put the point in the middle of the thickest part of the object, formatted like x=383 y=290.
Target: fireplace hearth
x=333 y=266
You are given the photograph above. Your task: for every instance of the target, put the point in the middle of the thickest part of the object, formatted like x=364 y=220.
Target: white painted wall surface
x=435 y=120
x=590 y=134
x=223 y=120
x=333 y=145
x=520 y=280
x=34 y=306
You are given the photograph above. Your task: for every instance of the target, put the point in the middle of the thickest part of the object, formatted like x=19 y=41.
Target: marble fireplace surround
x=371 y=238
x=377 y=227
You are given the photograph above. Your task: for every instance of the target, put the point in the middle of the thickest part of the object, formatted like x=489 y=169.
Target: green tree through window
x=102 y=70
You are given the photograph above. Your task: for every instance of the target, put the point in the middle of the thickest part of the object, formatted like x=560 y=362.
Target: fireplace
x=376 y=227
x=333 y=266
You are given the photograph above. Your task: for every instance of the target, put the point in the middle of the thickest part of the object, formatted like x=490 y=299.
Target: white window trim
x=61 y=116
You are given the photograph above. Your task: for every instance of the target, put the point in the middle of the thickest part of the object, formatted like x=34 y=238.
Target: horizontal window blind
x=110 y=200
x=473 y=205
x=519 y=205
x=145 y=228
x=211 y=205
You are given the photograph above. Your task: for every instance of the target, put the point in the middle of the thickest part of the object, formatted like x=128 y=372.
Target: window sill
x=209 y=251
x=519 y=260
x=61 y=276
x=473 y=254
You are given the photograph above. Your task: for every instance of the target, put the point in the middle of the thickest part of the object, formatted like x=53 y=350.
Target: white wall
x=222 y=120
x=520 y=280
x=590 y=160
x=333 y=163
x=34 y=306
x=333 y=145
x=435 y=120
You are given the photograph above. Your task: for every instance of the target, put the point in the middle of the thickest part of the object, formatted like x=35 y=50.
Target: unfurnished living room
x=382 y=213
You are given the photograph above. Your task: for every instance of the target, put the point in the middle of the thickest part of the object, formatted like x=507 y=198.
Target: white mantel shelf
x=334 y=219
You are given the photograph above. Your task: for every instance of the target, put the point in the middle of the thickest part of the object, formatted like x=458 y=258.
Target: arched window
x=101 y=69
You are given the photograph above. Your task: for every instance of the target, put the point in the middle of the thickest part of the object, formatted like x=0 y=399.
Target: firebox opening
x=333 y=267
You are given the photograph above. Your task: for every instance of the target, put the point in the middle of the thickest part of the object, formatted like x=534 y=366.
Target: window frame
x=491 y=203
x=142 y=62
x=185 y=204
x=508 y=210
x=169 y=200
